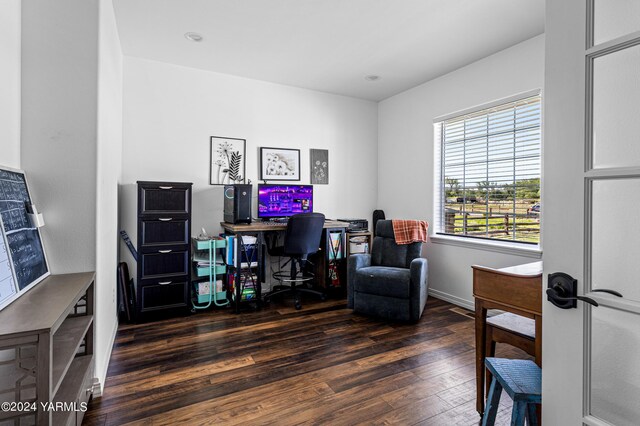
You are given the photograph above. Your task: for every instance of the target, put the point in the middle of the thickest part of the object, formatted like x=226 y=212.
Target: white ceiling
x=327 y=45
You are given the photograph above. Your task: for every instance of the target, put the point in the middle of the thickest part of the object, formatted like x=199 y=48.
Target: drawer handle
x=165 y=187
x=165 y=219
x=164 y=251
x=165 y=282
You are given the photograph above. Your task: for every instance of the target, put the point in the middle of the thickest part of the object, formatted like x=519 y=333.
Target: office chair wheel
x=297 y=305
x=323 y=297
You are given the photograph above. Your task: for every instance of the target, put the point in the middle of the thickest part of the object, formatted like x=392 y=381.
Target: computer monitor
x=276 y=201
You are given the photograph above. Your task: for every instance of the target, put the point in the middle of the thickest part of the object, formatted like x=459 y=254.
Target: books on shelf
x=248 y=283
x=247 y=294
x=249 y=251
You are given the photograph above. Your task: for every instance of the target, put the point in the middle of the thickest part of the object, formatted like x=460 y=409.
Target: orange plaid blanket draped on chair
x=409 y=231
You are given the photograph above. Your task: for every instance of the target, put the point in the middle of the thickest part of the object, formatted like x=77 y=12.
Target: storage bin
x=203 y=271
x=359 y=244
x=203 y=292
x=355 y=248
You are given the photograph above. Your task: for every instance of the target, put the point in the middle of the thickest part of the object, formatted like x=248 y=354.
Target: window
x=489 y=183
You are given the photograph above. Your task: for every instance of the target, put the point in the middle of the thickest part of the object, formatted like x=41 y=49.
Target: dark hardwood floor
x=320 y=365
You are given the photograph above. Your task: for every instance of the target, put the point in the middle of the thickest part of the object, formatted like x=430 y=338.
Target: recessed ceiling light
x=193 y=36
x=372 y=77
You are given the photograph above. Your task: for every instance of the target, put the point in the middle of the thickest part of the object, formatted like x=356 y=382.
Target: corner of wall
x=10 y=82
x=101 y=371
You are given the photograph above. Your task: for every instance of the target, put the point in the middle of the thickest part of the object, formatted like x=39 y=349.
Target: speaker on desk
x=237 y=203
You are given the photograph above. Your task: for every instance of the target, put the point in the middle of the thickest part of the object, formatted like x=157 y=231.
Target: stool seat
x=522 y=380
x=525 y=327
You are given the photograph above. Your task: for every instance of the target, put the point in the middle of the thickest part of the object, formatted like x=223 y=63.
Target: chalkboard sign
x=21 y=249
x=8 y=289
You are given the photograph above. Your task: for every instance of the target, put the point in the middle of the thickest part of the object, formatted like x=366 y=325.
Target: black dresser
x=164 y=249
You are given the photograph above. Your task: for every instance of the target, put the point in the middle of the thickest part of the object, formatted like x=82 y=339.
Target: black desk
x=259 y=228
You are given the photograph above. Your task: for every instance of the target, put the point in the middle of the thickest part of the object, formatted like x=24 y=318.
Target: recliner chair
x=391 y=282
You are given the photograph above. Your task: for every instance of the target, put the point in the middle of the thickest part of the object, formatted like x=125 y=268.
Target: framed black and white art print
x=279 y=164
x=319 y=166
x=227 y=163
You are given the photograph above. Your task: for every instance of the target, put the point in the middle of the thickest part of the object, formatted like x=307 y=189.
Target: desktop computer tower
x=237 y=203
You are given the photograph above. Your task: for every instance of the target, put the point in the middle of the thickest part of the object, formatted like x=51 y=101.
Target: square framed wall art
x=227 y=162
x=279 y=164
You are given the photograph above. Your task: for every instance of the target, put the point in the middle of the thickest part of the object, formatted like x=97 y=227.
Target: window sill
x=499 y=247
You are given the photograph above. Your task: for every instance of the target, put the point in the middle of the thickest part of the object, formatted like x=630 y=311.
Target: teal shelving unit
x=211 y=269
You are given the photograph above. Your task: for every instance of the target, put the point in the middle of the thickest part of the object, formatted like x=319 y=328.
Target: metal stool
x=522 y=380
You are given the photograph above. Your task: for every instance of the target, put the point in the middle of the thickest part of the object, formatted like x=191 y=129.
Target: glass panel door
x=615 y=18
x=615 y=366
x=615 y=236
x=616 y=127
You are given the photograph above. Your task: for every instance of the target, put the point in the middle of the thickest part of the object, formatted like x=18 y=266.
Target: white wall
x=406 y=153
x=59 y=103
x=10 y=42
x=72 y=142
x=109 y=154
x=171 y=111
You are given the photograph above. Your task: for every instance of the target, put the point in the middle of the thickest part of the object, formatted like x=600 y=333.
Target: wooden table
x=516 y=289
x=255 y=227
x=258 y=229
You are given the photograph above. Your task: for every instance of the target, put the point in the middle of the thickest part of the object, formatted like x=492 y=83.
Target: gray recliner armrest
x=419 y=286
x=355 y=262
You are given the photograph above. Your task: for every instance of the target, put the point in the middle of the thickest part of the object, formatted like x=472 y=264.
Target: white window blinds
x=490 y=173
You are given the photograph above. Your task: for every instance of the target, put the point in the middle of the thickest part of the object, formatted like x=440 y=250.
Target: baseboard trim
x=98 y=382
x=467 y=304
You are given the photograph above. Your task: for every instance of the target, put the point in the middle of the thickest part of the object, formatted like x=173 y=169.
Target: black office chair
x=302 y=238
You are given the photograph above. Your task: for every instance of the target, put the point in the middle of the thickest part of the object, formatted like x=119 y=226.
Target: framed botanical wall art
x=279 y=164
x=227 y=163
x=319 y=166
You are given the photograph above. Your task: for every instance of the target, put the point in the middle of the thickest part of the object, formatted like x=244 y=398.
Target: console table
x=46 y=351
x=516 y=289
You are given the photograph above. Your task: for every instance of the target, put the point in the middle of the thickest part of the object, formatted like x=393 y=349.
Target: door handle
x=606 y=290
x=554 y=297
x=562 y=291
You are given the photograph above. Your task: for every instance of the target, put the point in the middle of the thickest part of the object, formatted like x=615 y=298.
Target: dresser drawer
x=164 y=230
x=159 y=198
x=163 y=294
x=159 y=263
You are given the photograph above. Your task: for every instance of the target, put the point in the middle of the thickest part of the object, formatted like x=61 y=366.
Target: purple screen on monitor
x=284 y=200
